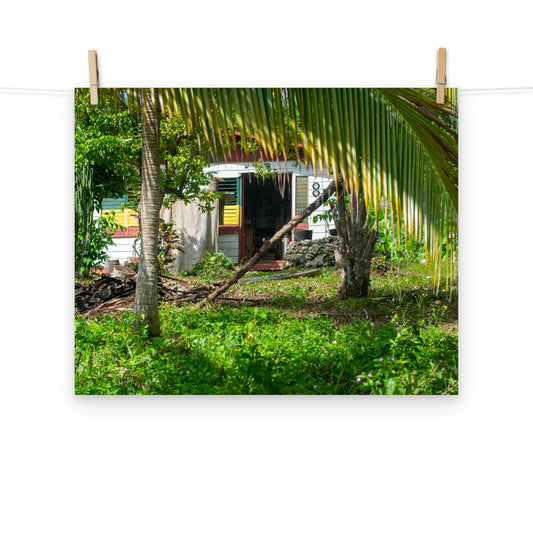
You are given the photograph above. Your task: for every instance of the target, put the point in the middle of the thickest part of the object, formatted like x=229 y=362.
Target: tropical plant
x=91 y=235
x=212 y=265
x=247 y=350
x=169 y=242
x=184 y=177
x=98 y=240
x=396 y=144
x=83 y=212
x=107 y=141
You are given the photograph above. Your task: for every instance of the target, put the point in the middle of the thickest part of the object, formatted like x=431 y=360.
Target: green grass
x=300 y=340
x=405 y=291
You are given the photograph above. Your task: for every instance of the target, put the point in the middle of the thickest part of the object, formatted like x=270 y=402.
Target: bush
x=98 y=241
x=212 y=265
x=262 y=351
x=169 y=241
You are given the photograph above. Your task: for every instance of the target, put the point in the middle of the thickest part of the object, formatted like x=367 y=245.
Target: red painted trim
x=238 y=155
x=128 y=232
x=269 y=265
x=229 y=229
x=303 y=225
x=241 y=236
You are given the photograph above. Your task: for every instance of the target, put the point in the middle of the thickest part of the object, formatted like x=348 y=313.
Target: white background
x=209 y=464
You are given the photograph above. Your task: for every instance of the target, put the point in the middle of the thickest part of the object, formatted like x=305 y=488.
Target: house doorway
x=267 y=206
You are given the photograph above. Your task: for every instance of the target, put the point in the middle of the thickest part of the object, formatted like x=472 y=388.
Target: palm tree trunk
x=356 y=245
x=326 y=193
x=146 y=307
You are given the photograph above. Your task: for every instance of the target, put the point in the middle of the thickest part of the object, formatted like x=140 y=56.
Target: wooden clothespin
x=93 y=76
x=441 y=74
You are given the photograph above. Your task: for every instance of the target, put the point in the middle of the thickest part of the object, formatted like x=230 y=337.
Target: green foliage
x=108 y=140
x=326 y=215
x=83 y=212
x=395 y=245
x=169 y=240
x=404 y=359
x=108 y=150
x=109 y=360
x=184 y=165
x=98 y=241
x=262 y=351
x=107 y=158
x=264 y=170
x=212 y=266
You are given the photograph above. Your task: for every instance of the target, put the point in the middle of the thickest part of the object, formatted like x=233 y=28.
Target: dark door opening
x=266 y=209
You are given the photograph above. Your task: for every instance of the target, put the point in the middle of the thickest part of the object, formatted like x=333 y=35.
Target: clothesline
x=487 y=89
x=34 y=90
x=70 y=91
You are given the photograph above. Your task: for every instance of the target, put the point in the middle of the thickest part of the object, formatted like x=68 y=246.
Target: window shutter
x=232 y=208
x=302 y=194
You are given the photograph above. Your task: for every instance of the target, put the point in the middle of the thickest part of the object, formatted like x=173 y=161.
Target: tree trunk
x=356 y=245
x=326 y=193
x=146 y=307
x=83 y=212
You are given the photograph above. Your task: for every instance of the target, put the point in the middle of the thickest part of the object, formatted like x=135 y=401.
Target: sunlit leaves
x=397 y=145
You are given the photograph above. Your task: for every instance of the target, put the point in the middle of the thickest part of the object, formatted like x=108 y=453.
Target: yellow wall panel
x=125 y=217
x=132 y=218
x=232 y=214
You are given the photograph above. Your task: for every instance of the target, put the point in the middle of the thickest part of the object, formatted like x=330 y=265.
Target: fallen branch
x=191 y=296
x=326 y=193
x=170 y=277
x=288 y=275
x=224 y=298
x=108 y=305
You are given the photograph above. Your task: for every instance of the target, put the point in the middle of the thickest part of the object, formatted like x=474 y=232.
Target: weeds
x=301 y=340
x=262 y=351
x=212 y=266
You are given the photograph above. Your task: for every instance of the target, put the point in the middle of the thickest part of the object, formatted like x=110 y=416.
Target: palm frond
x=395 y=145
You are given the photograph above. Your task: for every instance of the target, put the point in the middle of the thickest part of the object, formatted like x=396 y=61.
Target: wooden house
x=259 y=199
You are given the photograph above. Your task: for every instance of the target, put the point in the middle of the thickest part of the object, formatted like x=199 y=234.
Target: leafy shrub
x=169 y=240
x=398 y=248
x=394 y=246
x=98 y=241
x=262 y=351
x=212 y=265
x=134 y=364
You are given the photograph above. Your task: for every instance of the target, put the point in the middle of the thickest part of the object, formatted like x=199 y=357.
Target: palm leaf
x=395 y=145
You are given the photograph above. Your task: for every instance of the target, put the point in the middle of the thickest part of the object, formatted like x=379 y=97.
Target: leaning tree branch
x=326 y=193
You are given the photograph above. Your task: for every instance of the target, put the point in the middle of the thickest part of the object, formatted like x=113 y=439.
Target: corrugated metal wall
x=122 y=249
x=229 y=245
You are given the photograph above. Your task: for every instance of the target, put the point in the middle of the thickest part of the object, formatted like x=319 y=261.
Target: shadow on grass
x=410 y=306
x=261 y=351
